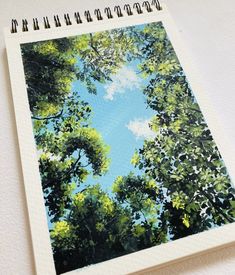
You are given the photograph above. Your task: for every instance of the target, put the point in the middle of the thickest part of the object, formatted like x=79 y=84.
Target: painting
x=126 y=158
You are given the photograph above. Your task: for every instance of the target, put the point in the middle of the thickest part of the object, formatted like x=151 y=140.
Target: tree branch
x=92 y=45
x=228 y=219
x=47 y=118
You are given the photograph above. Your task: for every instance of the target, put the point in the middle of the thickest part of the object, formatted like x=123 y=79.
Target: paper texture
x=179 y=200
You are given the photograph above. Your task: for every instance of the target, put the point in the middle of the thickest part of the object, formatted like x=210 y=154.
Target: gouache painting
x=126 y=158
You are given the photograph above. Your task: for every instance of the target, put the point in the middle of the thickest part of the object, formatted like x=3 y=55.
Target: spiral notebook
x=124 y=167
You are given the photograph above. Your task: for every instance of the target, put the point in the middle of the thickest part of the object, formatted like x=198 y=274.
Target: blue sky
x=120 y=115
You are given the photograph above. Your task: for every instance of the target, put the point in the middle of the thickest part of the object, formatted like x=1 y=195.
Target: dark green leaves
x=180 y=185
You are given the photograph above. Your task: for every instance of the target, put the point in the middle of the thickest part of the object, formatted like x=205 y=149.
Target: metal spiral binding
x=57 y=21
x=67 y=19
x=25 y=25
x=78 y=18
x=138 y=8
x=127 y=8
x=88 y=16
x=98 y=14
x=108 y=12
x=46 y=22
x=157 y=5
x=147 y=5
x=14 y=25
x=118 y=10
x=35 y=24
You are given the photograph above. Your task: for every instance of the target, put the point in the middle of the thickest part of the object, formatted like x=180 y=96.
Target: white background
x=208 y=31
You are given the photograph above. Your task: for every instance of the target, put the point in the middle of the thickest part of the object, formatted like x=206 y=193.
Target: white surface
x=148 y=258
x=208 y=30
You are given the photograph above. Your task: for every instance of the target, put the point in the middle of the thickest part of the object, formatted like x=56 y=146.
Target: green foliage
x=98 y=228
x=90 y=142
x=140 y=196
x=61 y=230
x=79 y=154
x=182 y=186
x=183 y=157
x=48 y=67
x=69 y=150
x=51 y=66
x=135 y=159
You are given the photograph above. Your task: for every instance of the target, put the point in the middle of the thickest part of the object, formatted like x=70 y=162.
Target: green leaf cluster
x=182 y=186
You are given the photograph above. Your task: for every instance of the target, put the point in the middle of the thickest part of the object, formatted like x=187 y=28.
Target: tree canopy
x=182 y=186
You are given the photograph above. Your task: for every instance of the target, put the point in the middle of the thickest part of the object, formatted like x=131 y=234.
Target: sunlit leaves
x=46 y=70
x=140 y=194
x=79 y=199
x=178 y=201
x=107 y=204
x=152 y=185
x=116 y=187
x=99 y=226
x=138 y=230
x=179 y=186
x=81 y=153
x=95 y=233
x=135 y=159
x=46 y=48
x=61 y=230
x=169 y=67
x=91 y=146
x=183 y=157
x=185 y=220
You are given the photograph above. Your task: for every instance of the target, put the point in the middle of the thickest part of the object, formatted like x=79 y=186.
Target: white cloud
x=140 y=128
x=124 y=80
